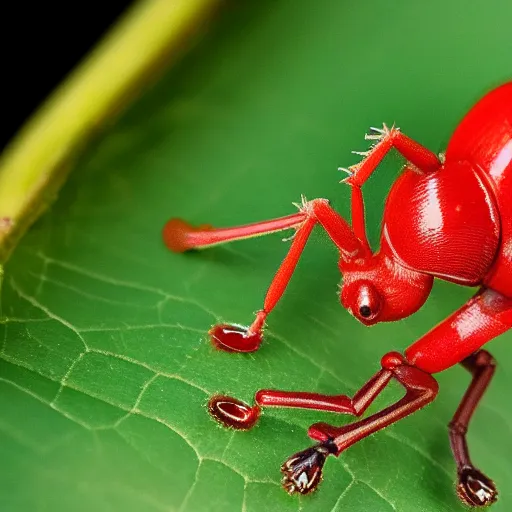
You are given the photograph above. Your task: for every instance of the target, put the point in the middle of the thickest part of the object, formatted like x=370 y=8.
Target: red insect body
x=449 y=218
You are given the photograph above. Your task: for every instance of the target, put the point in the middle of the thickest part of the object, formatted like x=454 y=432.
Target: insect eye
x=367 y=303
x=365 y=311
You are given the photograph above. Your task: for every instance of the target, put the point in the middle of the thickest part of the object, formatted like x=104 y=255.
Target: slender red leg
x=283 y=275
x=473 y=487
x=236 y=414
x=234 y=338
x=302 y=471
x=180 y=236
x=332 y=403
x=233 y=413
x=388 y=138
x=358 y=220
x=421 y=388
x=485 y=316
x=338 y=230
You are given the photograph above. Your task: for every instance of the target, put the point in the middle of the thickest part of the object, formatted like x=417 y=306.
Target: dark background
x=40 y=45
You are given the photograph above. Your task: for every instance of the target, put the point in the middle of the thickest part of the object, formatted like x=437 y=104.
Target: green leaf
x=105 y=365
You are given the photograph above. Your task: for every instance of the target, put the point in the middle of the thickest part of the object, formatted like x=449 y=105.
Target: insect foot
x=233 y=413
x=303 y=470
x=234 y=338
x=475 y=489
x=177 y=234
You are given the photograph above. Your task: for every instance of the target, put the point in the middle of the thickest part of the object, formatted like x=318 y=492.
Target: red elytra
x=446 y=217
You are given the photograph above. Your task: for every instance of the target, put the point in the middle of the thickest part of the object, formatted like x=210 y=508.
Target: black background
x=40 y=44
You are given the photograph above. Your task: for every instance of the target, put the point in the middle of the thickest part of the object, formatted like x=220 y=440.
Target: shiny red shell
x=456 y=223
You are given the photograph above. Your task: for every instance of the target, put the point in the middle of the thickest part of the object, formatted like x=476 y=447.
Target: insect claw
x=303 y=470
x=377 y=133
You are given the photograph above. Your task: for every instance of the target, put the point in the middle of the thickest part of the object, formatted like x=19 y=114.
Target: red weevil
x=446 y=216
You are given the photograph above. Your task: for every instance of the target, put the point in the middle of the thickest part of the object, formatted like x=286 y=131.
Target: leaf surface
x=105 y=366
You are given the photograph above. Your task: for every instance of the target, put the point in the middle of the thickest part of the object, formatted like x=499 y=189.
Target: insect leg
x=486 y=315
x=234 y=338
x=317 y=210
x=283 y=275
x=473 y=487
x=343 y=404
x=420 y=389
x=387 y=138
x=231 y=412
x=358 y=220
x=180 y=236
x=302 y=471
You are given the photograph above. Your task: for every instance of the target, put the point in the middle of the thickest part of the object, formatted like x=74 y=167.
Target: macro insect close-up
x=257 y=256
x=447 y=216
